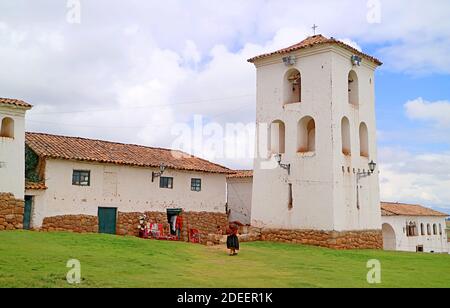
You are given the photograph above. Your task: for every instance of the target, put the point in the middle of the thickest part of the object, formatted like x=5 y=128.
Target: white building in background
x=318 y=100
x=413 y=228
x=92 y=177
x=12 y=150
x=239 y=196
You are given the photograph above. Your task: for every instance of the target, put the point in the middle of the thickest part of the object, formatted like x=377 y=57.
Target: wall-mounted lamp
x=162 y=168
x=372 y=166
x=284 y=166
x=356 y=60
x=289 y=60
x=2 y=164
x=364 y=174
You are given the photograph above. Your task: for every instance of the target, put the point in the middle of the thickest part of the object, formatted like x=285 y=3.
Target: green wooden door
x=27 y=212
x=107 y=219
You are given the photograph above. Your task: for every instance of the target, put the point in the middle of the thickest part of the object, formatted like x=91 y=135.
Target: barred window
x=81 y=178
x=166 y=182
x=196 y=184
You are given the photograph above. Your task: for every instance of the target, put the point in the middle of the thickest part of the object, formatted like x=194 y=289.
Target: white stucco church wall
x=12 y=163
x=320 y=191
x=239 y=199
x=12 y=150
x=430 y=234
x=129 y=189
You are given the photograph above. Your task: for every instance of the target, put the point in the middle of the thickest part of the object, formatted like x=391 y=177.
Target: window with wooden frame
x=411 y=229
x=196 y=185
x=166 y=182
x=81 y=178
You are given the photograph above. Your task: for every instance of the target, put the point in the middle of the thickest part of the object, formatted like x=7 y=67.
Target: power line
x=132 y=127
x=145 y=107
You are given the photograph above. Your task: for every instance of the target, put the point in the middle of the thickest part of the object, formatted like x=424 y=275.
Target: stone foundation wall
x=127 y=223
x=371 y=239
x=11 y=212
x=71 y=223
x=246 y=234
x=205 y=222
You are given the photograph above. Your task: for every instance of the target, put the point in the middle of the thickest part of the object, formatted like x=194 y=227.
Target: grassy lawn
x=31 y=259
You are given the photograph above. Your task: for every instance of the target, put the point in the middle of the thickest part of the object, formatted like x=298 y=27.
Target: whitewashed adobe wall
x=401 y=242
x=239 y=193
x=12 y=154
x=324 y=196
x=134 y=191
x=346 y=214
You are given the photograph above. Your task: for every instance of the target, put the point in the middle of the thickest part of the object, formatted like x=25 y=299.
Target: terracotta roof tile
x=386 y=213
x=35 y=186
x=315 y=41
x=396 y=209
x=14 y=102
x=240 y=174
x=72 y=148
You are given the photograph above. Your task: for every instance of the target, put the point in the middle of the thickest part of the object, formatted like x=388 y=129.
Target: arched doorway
x=389 y=237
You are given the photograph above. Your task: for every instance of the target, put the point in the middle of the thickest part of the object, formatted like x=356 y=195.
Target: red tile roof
x=315 y=41
x=241 y=174
x=81 y=149
x=15 y=102
x=401 y=209
x=35 y=186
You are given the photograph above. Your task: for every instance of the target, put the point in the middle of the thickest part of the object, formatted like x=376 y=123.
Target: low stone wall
x=127 y=223
x=205 y=222
x=11 y=212
x=371 y=239
x=71 y=223
x=246 y=234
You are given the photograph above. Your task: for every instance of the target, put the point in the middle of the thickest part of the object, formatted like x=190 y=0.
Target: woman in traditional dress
x=232 y=239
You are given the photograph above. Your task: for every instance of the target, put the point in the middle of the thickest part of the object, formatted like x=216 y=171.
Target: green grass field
x=32 y=259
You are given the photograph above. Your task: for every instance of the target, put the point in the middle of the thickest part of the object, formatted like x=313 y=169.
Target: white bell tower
x=12 y=146
x=316 y=140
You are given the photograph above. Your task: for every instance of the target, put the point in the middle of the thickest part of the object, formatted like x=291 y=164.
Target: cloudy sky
x=148 y=71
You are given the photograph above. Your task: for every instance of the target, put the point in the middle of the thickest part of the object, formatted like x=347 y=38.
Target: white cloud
x=415 y=178
x=419 y=177
x=191 y=54
x=419 y=58
x=160 y=64
x=437 y=112
x=351 y=43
